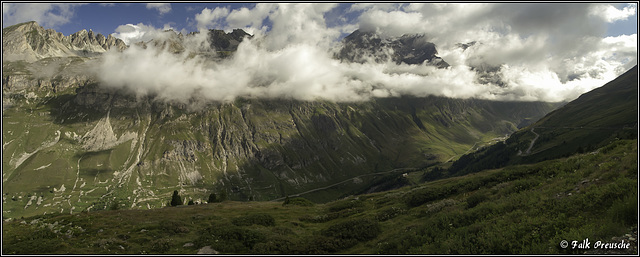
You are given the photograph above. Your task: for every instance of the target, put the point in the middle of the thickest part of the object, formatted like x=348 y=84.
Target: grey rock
x=207 y=250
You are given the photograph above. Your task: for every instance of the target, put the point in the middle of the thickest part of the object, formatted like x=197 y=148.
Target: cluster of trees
x=213 y=198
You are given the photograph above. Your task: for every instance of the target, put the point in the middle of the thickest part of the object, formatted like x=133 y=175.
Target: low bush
x=299 y=201
x=625 y=211
x=344 y=204
x=254 y=219
x=389 y=213
x=161 y=245
x=475 y=199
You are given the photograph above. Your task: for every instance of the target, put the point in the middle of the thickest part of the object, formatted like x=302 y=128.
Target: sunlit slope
x=594 y=119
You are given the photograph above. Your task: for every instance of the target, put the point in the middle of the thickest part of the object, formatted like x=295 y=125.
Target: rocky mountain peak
x=30 y=42
x=222 y=41
x=360 y=46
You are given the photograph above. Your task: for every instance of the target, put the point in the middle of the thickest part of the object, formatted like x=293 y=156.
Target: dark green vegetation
x=518 y=209
x=593 y=120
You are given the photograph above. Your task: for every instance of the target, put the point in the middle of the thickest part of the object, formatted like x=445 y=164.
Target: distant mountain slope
x=594 y=119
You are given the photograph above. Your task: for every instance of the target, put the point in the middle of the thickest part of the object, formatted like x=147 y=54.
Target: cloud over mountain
x=525 y=52
x=550 y=52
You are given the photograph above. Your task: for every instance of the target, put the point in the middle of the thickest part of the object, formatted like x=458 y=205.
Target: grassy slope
x=518 y=209
x=591 y=121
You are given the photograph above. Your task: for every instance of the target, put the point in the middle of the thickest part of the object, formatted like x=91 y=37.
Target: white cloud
x=209 y=19
x=162 y=8
x=393 y=24
x=131 y=33
x=547 y=52
x=300 y=24
x=610 y=14
x=46 y=14
x=536 y=44
x=245 y=17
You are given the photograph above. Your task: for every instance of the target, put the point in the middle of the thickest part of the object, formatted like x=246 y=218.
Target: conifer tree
x=175 y=199
x=212 y=198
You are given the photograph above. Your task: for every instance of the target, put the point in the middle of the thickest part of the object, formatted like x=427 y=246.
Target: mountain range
x=70 y=144
x=397 y=175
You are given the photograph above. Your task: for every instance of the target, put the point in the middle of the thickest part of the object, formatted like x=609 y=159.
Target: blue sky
x=545 y=51
x=105 y=18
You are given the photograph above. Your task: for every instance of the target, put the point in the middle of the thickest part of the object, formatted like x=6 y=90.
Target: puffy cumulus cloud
x=287 y=23
x=130 y=33
x=162 y=8
x=210 y=18
x=610 y=13
x=250 y=19
x=300 y=23
x=46 y=14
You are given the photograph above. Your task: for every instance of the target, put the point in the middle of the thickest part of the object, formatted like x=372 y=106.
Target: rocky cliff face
x=362 y=46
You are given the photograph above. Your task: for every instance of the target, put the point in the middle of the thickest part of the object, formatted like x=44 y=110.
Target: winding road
x=532 y=142
x=344 y=181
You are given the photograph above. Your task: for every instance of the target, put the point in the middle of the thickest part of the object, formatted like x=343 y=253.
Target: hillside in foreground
x=520 y=209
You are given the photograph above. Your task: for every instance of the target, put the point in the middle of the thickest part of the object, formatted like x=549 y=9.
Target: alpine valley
x=422 y=169
x=71 y=145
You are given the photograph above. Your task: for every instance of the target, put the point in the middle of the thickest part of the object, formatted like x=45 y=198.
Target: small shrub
x=625 y=211
x=475 y=199
x=115 y=205
x=161 y=245
x=212 y=198
x=300 y=201
x=256 y=218
x=389 y=213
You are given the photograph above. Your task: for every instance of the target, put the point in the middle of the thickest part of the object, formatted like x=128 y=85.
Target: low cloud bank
x=535 y=59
